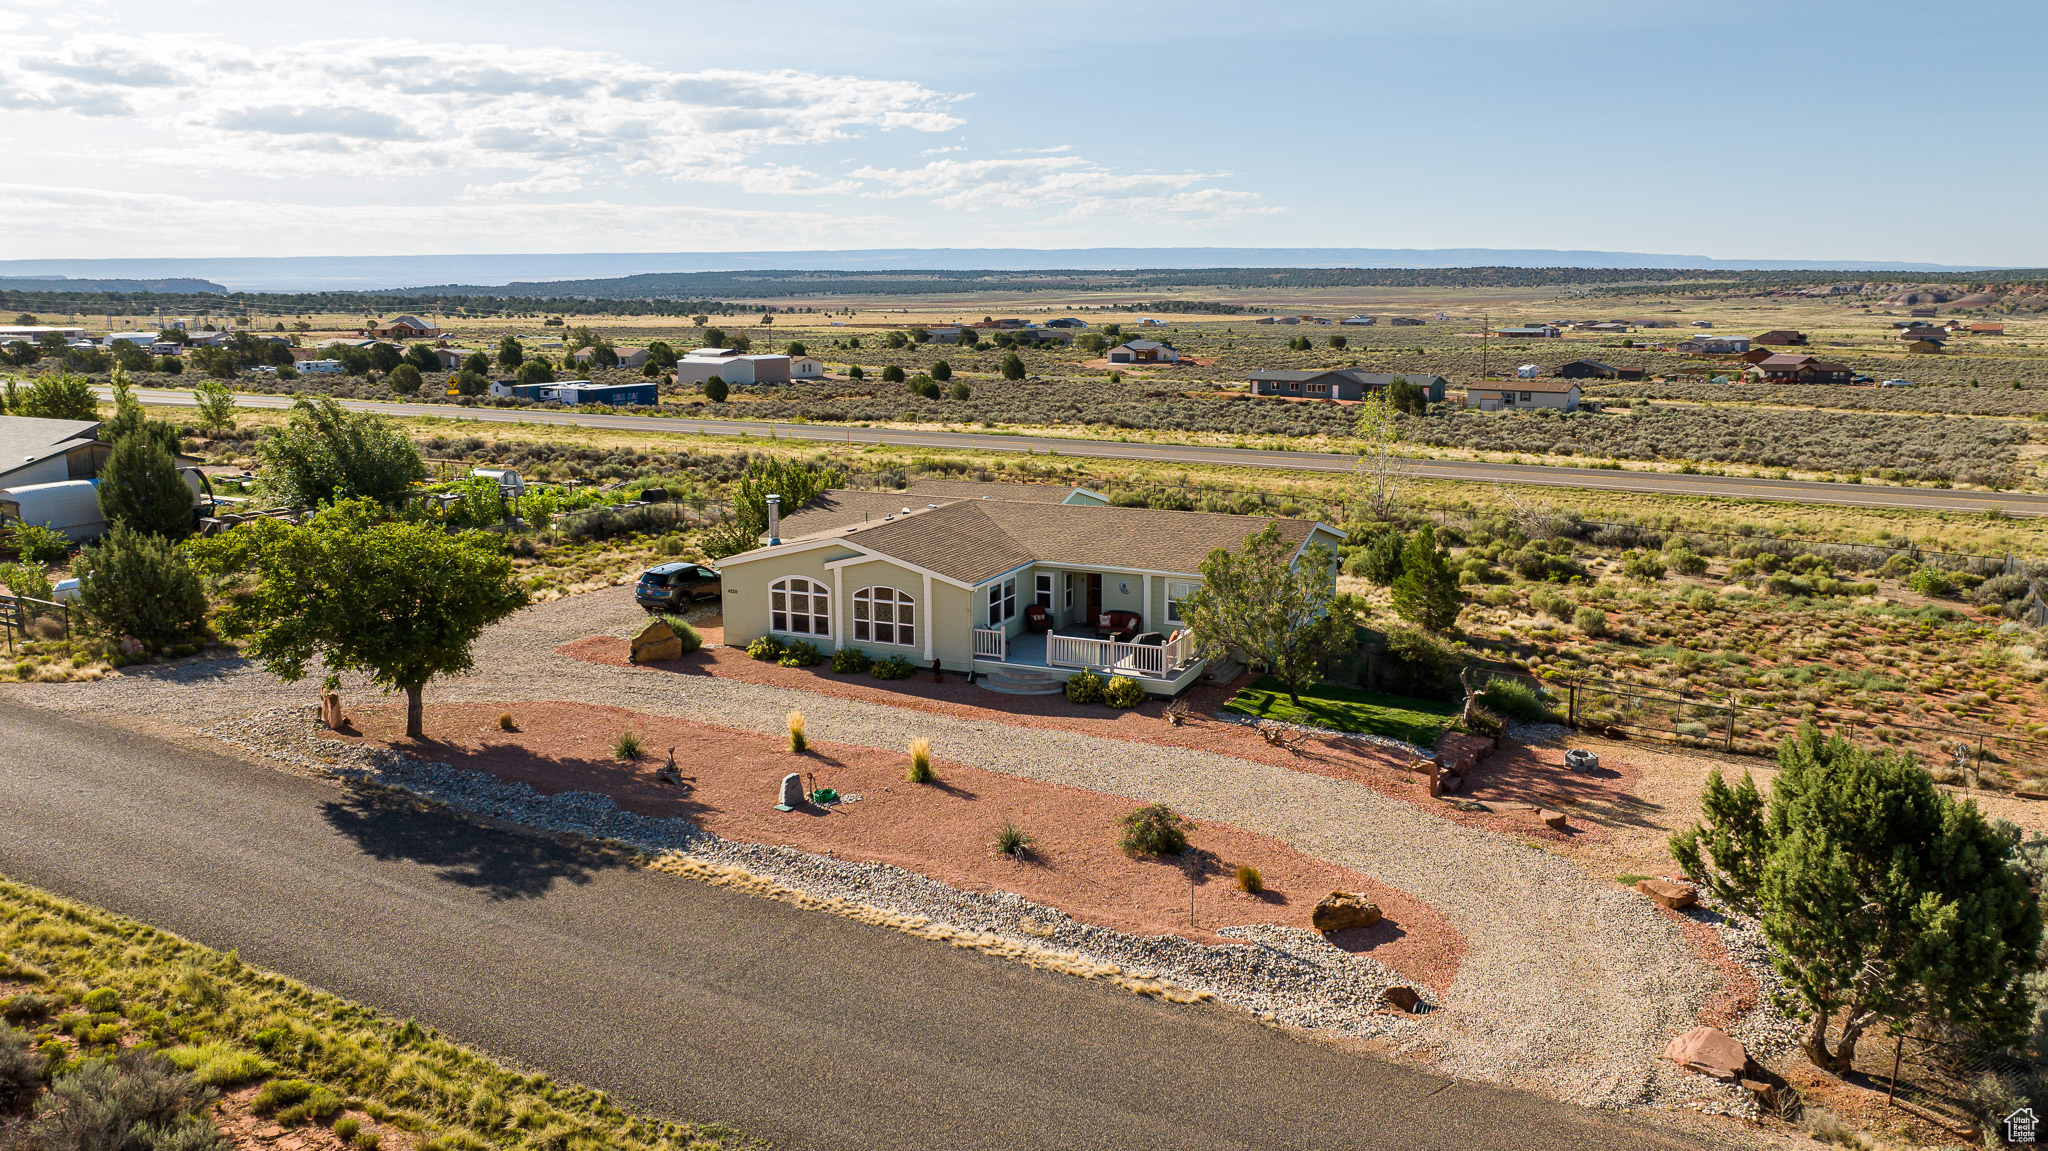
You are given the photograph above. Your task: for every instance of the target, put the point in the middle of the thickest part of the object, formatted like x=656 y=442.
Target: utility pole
x=1485 y=333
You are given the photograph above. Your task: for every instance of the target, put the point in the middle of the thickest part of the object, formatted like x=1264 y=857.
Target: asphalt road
x=688 y=1000
x=1534 y=475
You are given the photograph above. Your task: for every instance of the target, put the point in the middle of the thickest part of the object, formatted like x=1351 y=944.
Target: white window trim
x=902 y=600
x=1049 y=602
x=1185 y=589
x=823 y=590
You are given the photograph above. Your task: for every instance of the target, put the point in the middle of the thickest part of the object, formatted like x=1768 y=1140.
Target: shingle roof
x=971 y=541
x=26 y=439
x=840 y=508
x=929 y=490
x=1526 y=386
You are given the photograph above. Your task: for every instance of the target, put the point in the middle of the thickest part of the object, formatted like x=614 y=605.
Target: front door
x=1094 y=598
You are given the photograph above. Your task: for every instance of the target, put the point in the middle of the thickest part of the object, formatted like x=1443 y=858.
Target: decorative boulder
x=792 y=790
x=1341 y=911
x=1400 y=997
x=331 y=717
x=1708 y=1051
x=1676 y=896
x=1553 y=819
x=657 y=641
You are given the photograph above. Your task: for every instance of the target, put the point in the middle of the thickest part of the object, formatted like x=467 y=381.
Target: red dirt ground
x=1515 y=781
x=946 y=831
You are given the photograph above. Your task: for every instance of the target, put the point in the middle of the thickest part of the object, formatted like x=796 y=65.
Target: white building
x=703 y=363
x=806 y=368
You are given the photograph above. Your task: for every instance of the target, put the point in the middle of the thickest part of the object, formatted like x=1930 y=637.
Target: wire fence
x=27 y=620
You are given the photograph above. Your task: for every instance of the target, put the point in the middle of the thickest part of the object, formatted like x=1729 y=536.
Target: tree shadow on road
x=390 y=825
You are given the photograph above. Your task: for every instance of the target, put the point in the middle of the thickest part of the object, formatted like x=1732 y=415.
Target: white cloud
x=1072 y=187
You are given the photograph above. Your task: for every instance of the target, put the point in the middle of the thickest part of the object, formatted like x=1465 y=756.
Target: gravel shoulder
x=1568 y=984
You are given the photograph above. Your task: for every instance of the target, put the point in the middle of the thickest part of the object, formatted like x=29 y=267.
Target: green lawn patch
x=1418 y=721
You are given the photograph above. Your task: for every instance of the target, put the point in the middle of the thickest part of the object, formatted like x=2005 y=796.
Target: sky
x=1865 y=130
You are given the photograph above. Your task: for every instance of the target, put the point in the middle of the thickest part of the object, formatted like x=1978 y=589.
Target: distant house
x=36 y=333
x=1360 y=321
x=1781 y=336
x=1926 y=345
x=1405 y=322
x=945 y=333
x=1703 y=323
x=703 y=363
x=1529 y=332
x=139 y=339
x=1714 y=345
x=1790 y=368
x=1066 y=322
x=406 y=328
x=806 y=368
x=1986 y=329
x=1490 y=397
x=1595 y=370
x=628 y=357
x=579 y=392
x=1144 y=352
x=1924 y=312
x=1341 y=384
x=1609 y=326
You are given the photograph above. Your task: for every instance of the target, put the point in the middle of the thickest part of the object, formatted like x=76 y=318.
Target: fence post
x=1573 y=706
x=1728 y=741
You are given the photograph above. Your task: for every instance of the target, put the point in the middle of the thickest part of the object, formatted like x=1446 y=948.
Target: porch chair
x=1036 y=618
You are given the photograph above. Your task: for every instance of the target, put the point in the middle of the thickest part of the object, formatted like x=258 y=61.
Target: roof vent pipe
x=774 y=520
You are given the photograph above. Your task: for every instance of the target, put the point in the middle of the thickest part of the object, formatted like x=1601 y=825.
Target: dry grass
x=921 y=762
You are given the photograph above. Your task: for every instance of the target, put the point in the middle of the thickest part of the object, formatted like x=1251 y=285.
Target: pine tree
x=1013 y=367
x=1427 y=591
x=140 y=488
x=131 y=583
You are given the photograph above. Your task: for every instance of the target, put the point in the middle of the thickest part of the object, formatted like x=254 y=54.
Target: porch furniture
x=1037 y=618
x=1118 y=625
x=1150 y=639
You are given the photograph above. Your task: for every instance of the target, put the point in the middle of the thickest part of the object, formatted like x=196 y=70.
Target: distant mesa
x=179 y=284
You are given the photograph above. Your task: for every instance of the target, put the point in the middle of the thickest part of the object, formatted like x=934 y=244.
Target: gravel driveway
x=1568 y=984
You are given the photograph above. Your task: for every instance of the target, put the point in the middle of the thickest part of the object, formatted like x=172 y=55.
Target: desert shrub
x=345 y=1129
x=22 y=1064
x=27 y=1006
x=1123 y=692
x=2002 y=589
x=105 y=999
x=1591 y=620
x=1645 y=566
x=895 y=667
x=1154 y=829
x=1701 y=600
x=1249 y=880
x=1899 y=566
x=766 y=649
x=1084 y=687
x=280 y=1093
x=921 y=762
x=802 y=653
x=1550 y=603
x=506 y=722
x=321 y=1105
x=850 y=661
x=1685 y=561
x=130 y=583
x=627 y=746
x=798 y=741
x=1517 y=699
x=692 y=640
x=37 y=543
x=368 y=1141
x=135 y=1100
x=1535 y=561
x=1418 y=663
x=1930 y=582
x=1379 y=561
x=1012 y=840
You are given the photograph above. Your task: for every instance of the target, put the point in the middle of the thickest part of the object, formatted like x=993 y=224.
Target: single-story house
x=1595 y=370
x=806 y=368
x=1144 y=352
x=579 y=392
x=1792 y=368
x=1605 y=326
x=37 y=333
x=1067 y=322
x=628 y=357
x=1783 y=336
x=1013 y=590
x=1986 y=329
x=405 y=328
x=1341 y=384
x=1360 y=321
x=1406 y=322
x=39 y=451
x=1714 y=345
x=1926 y=345
x=944 y=333
x=1529 y=332
x=139 y=339
x=1491 y=397
x=703 y=363
x=1924 y=312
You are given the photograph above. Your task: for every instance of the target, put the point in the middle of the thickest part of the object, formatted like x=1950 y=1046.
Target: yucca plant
x=627 y=746
x=1249 y=880
x=1012 y=840
x=797 y=742
x=921 y=761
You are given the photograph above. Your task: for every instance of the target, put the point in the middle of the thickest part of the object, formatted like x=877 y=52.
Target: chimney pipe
x=774 y=520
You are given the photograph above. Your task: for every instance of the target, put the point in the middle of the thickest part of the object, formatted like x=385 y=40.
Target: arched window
x=799 y=606
x=884 y=615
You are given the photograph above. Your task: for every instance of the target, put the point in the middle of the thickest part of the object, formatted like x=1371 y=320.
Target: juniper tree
x=1278 y=610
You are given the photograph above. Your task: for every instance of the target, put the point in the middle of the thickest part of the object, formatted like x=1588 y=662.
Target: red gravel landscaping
x=1381 y=769
x=946 y=831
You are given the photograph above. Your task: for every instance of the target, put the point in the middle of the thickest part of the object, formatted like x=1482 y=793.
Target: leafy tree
x=405 y=380
x=170 y=365
x=1426 y=592
x=325 y=453
x=942 y=371
x=24 y=320
x=923 y=385
x=966 y=338
x=797 y=484
x=795 y=348
x=740 y=344
x=59 y=397
x=477 y=364
x=1407 y=398
x=1381 y=471
x=1881 y=896
x=714 y=338
x=510 y=354
x=468 y=383
x=216 y=406
x=536 y=371
x=403 y=601
x=137 y=584
x=661 y=354
x=891 y=374
x=854 y=372
x=384 y=357
x=1339 y=342
x=1286 y=615
x=130 y=356
x=423 y=357
x=21 y=353
x=140 y=488
x=715 y=389
x=129 y=418
x=1380 y=561
x=219 y=363
x=896 y=340
x=1013 y=368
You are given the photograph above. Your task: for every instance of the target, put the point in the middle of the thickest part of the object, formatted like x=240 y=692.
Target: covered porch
x=1164 y=667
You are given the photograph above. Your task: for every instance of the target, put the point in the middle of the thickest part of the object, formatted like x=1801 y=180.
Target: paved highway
x=688 y=1000
x=1785 y=491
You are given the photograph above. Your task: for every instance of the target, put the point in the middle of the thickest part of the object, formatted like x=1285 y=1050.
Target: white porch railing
x=1120 y=658
x=991 y=643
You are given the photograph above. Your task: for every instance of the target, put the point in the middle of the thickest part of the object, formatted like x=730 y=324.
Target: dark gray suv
x=677 y=585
